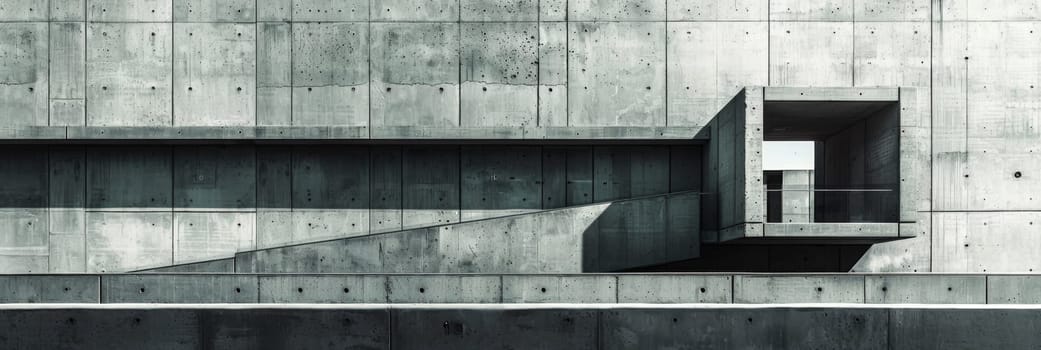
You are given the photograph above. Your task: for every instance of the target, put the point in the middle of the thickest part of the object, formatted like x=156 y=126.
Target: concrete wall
x=119 y=208
x=656 y=288
x=649 y=62
x=573 y=327
x=863 y=156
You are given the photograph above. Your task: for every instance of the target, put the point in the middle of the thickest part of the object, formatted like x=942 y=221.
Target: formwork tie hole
x=422 y=290
x=299 y=290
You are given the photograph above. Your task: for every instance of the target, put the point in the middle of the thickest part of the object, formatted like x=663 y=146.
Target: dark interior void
x=767 y=258
x=774 y=206
x=857 y=157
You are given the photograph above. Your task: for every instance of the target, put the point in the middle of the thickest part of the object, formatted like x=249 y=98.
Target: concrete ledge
x=831 y=230
x=831 y=94
x=347 y=133
x=555 y=326
x=672 y=288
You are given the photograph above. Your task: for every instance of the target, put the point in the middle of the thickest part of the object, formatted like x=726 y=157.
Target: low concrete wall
x=522 y=289
x=558 y=326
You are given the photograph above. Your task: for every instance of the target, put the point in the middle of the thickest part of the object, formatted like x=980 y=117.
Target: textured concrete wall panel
x=674 y=289
x=128 y=241
x=214 y=10
x=66 y=183
x=553 y=10
x=1014 y=10
x=122 y=179
x=552 y=74
x=330 y=10
x=985 y=242
x=444 y=289
x=415 y=74
x=616 y=74
x=130 y=10
x=67 y=10
x=274 y=10
x=274 y=74
x=50 y=289
x=24 y=73
x=707 y=10
x=23 y=11
x=410 y=11
x=214 y=178
x=500 y=181
x=627 y=172
x=500 y=73
x=487 y=329
x=608 y=10
x=385 y=195
x=1013 y=289
x=215 y=67
x=798 y=289
x=323 y=289
x=431 y=180
x=68 y=74
x=330 y=192
x=205 y=236
x=499 y=10
x=811 y=53
x=811 y=10
x=559 y=289
x=154 y=288
x=882 y=10
x=130 y=74
x=934 y=289
x=330 y=76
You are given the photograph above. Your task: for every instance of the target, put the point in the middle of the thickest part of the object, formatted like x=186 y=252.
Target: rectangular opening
x=855 y=171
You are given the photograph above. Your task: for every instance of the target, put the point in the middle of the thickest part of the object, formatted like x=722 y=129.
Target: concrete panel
x=148 y=327
x=24 y=244
x=337 y=289
x=206 y=236
x=24 y=73
x=1014 y=10
x=404 y=95
x=685 y=168
x=215 y=74
x=330 y=192
x=552 y=65
x=24 y=185
x=811 y=10
x=422 y=289
x=499 y=10
x=702 y=10
x=985 y=242
x=421 y=328
x=752 y=289
x=692 y=62
x=23 y=11
x=609 y=89
x=67 y=73
x=744 y=328
x=274 y=10
x=119 y=242
x=50 y=289
x=829 y=229
x=949 y=127
x=274 y=74
x=129 y=179
x=964 y=328
x=66 y=199
x=178 y=289
x=214 y=178
x=385 y=196
x=274 y=196
x=554 y=177
x=811 y=53
x=628 y=10
x=881 y=10
x=934 y=289
x=500 y=74
x=627 y=172
x=559 y=289
x=330 y=11
x=892 y=54
x=635 y=233
x=214 y=10
x=130 y=73
x=67 y=10
x=129 y=11
x=580 y=175
x=1013 y=289
x=553 y=10
x=408 y=10
x=430 y=186
x=500 y=181
x=674 y=289
x=330 y=79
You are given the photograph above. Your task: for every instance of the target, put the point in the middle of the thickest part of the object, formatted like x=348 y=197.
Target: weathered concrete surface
x=599 y=237
x=798 y=289
x=83 y=289
x=130 y=73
